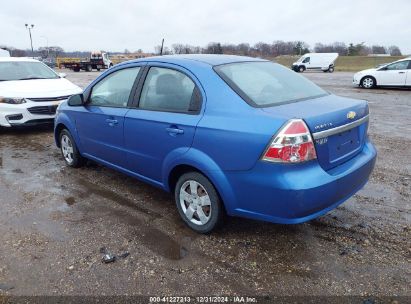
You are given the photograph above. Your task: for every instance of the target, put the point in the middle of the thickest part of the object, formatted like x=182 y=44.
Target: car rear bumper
x=291 y=194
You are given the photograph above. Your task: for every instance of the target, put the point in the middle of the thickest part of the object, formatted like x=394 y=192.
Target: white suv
x=30 y=91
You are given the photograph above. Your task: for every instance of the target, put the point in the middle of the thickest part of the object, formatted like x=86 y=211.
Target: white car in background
x=30 y=92
x=395 y=74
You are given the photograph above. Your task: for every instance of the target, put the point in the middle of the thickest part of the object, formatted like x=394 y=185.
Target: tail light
x=292 y=144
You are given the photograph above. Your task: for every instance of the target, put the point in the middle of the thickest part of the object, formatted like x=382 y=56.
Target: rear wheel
x=89 y=68
x=69 y=150
x=368 y=82
x=198 y=202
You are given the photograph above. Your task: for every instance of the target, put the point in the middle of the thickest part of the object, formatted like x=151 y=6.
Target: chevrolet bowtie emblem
x=351 y=115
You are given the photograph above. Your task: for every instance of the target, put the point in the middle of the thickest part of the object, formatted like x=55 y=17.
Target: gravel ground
x=55 y=222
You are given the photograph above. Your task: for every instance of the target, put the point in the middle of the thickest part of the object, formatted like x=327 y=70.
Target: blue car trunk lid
x=337 y=124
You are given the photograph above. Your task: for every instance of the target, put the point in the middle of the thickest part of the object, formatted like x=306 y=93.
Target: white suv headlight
x=13 y=100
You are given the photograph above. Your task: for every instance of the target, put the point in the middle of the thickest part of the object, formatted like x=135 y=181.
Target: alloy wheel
x=195 y=202
x=368 y=83
x=67 y=149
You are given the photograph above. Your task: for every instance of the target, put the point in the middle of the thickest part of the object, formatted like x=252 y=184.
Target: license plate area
x=343 y=145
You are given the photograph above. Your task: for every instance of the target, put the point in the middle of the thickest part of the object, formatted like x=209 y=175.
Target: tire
x=89 y=68
x=202 y=215
x=111 y=65
x=301 y=69
x=331 y=69
x=69 y=150
x=76 y=70
x=368 y=82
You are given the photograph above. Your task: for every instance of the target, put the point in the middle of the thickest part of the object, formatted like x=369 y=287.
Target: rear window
x=265 y=84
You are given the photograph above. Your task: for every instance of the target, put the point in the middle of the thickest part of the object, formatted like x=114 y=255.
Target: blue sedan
x=227 y=135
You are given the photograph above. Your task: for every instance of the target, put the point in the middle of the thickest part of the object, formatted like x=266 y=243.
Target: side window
x=306 y=60
x=169 y=91
x=402 y=65
x=409 y=65
x=114 y=90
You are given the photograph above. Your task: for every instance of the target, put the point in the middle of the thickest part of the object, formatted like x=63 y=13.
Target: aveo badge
x=351 y=115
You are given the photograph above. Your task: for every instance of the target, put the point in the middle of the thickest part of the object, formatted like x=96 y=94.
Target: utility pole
x=162 y=45
x=30 y=27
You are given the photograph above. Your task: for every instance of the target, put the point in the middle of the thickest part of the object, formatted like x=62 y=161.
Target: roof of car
x=24 y=59
x=211 y=59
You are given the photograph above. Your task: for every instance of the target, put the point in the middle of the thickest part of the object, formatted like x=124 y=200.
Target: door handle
x=401 y=72
x=174 y=131
x=112 y=122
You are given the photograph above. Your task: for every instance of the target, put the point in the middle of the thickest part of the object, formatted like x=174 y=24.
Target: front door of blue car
x=100 y=124
x=168 y=109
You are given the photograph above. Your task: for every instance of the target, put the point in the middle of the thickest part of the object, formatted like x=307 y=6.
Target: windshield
x=264 y=84
x=22 y=70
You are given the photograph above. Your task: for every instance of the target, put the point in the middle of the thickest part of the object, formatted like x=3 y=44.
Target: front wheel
x=368 y=82
x=331 y=69
x=69 y=150
x=198 y=202
x=301 y=69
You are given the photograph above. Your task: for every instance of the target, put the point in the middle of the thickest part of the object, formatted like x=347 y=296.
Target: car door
x=307 y=63
x=100 y=124
x=408 y=80
x=394 y=74
x=163 y=123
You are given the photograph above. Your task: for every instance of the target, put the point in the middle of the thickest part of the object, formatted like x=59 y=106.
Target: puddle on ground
x=70 y=200
x=162 y=244
x=108 y=194
x=152 y=238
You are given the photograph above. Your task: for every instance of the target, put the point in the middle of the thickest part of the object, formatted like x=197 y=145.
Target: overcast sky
x=134 y=24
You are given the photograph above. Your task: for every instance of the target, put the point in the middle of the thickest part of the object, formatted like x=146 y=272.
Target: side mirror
x=76 y=100
x=62 y=75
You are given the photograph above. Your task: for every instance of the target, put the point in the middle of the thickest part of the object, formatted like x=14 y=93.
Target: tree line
x=279 y=47
x=260 y=49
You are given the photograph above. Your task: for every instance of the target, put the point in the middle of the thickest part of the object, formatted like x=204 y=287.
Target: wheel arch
x=195 y=160
x=182 y=169
x=64 y=122
x=57 y=130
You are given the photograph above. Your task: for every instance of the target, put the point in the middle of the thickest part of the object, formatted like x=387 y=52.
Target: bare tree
x=214 y=48
x=378 y=49
x=394 y=50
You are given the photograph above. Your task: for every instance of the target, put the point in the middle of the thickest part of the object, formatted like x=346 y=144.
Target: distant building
x=379 y=55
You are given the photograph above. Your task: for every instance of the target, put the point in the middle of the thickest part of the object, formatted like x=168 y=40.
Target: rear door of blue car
x=167 y=109
x=100 y=123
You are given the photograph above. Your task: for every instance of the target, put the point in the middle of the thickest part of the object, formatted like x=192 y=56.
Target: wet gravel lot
x=56 y=222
